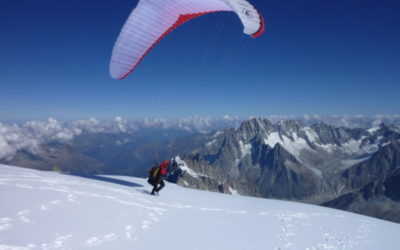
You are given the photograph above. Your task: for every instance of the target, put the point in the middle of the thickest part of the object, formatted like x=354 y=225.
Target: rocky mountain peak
x=289 y=126
x=253 y=127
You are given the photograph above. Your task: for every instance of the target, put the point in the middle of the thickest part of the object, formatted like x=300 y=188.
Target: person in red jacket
x=157 y=175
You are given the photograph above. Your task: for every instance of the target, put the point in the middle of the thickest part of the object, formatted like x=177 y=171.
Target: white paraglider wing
x=151 y=20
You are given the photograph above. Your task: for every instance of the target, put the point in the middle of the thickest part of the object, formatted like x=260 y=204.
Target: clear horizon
x=315 y=58
x=227 y=117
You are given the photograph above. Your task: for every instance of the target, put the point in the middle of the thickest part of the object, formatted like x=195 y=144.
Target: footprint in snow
x=59 y=242
x=55 y=202
x=153 y=217
x=96 y=241
x=93 y=241
x=130 y=232
x=146 y=224
x=22 y=216
x=45 y=207
x=31 y=245
x=24 y=212
x=288 y=245
x=72 y=198
x=110 y=237
x=5 y=220
x=5 y=226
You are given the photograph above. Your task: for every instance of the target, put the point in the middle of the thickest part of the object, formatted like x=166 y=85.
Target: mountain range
x=345 y=168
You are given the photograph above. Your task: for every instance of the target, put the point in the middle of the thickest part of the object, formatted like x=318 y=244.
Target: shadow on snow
x=111 y=180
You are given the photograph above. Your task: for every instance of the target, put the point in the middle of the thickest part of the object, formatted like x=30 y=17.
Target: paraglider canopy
x=151 y=20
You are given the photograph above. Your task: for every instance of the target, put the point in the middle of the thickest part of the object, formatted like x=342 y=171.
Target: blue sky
x=317 y=57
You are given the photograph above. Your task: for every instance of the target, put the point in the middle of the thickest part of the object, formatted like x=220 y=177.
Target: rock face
x=379 y=198
x=378 y=167
x=292 y=161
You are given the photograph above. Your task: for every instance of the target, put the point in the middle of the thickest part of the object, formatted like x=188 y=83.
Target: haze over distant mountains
x=29 y=135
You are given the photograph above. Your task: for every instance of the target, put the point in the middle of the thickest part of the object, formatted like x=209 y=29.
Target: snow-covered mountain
x=47 y=210
x=349 y=121
x=292 y=161
x=29 y=135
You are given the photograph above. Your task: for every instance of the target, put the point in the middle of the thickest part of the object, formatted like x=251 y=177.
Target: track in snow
x=44 y=210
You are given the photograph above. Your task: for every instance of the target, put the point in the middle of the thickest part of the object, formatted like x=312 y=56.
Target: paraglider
x=152 y=20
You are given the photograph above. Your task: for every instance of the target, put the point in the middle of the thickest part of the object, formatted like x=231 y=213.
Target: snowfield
x=47 y=210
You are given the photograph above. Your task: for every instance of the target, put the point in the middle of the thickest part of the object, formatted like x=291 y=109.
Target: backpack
x=153 y=175
x=164 y=167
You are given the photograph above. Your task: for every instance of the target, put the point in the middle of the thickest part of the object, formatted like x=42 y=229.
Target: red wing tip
x=261 y=30
x=121 y=78
x=130 y=71
x=118 y=77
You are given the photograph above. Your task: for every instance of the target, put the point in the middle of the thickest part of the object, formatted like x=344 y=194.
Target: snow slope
x=46 y=210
